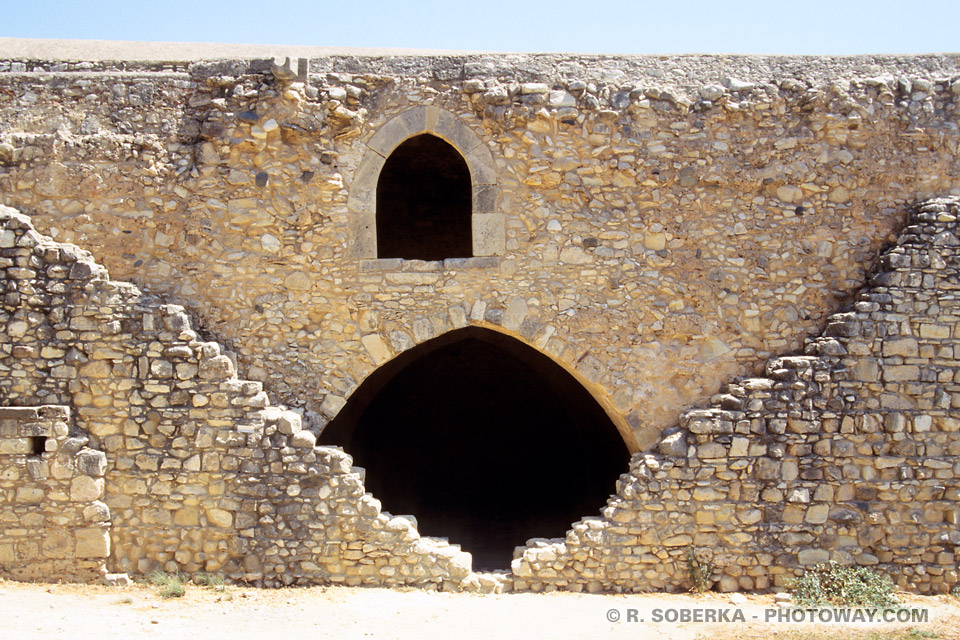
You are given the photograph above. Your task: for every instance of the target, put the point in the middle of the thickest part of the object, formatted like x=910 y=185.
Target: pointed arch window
x=424 y=201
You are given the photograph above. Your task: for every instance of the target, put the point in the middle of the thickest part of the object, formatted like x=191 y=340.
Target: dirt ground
x=29 y=611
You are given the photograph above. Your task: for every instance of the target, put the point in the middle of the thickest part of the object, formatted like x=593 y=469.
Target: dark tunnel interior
x=485 y=440
x=424 y=202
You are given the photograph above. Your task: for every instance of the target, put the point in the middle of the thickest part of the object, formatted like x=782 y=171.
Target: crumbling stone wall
x=658 y=225
x=197 y=472
x=848 y=453
x=53 y=524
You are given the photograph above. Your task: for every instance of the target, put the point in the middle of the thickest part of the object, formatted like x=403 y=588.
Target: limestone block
x=655 y=241
x=332 y=404
x=391 y=134
x=218 y=368
x=58 y=543
x=906 y=347
x=207 y=154
x=575 y=255
x=363 y=189
x=460 y=565
x=376 y=347
x=681 y=540
x=789 y=470
x=817 y=514
x=289 y=423
x=86 y=489
x=29 y=495
x=839 y=195
x=489 y=234
x=515 y=313
x=739 y=447
x=304 y=440
x=789 y=194
x=219 y=517
x=192 y=463
x=187 y=517
x=812 y=557
x=93 y=542
x=400 y=341
x=298 y=281
x=591 y=368
x=674 y=445
x=483 y=170
x=711 y=450
x=91 y=462
x=187 y=370
x=96 y=512
x=420 y=119
x=708 y=494
x=15 y=446
x=486 y=198
x=8 y=553
x=561 y=99
x=451 y=128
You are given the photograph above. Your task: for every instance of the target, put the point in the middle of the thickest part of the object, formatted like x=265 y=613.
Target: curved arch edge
x=382 y=349
x=488 y=221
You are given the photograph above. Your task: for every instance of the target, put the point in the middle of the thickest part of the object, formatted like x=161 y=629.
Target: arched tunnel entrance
x=485 y=440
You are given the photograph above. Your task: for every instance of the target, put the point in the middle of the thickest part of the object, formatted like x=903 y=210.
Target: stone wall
x=848 y=453
x=201 y=474
x=657 y=225
x=53 y=524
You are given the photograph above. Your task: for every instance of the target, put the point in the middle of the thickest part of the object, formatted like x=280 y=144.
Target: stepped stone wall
x=657 y=225
x=848 y=453
x=189 y=466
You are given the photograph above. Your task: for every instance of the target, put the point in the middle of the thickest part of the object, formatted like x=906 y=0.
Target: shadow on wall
x=485 y=440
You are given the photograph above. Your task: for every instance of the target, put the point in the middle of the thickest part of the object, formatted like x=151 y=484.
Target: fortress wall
x=188 y=469
x=667 y=223
x=666 y=226
x=846 y=454
x=54 y=524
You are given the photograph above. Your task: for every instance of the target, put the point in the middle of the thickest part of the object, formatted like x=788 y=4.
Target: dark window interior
x=424 y=201
x=38 y=444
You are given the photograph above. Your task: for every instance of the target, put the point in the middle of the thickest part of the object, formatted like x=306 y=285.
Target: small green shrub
x=169 y=585
x=211 y=580
x=843 y=586
x=699 y=572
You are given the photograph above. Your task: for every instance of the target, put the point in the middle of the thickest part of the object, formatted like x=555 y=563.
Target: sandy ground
x=30 y=611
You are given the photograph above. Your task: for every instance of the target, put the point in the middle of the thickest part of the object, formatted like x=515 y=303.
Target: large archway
x=485 y=440
x=424 y=202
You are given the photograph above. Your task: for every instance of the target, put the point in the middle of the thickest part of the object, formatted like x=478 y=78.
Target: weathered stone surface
x=93 y=543
x=636 y=233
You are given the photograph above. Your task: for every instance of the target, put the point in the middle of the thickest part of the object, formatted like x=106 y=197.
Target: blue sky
x=600 y=26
